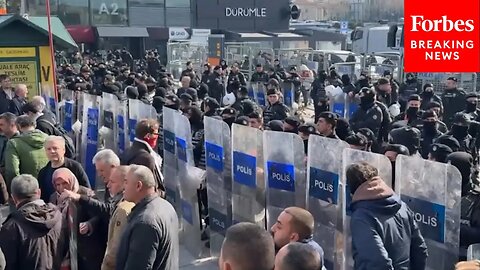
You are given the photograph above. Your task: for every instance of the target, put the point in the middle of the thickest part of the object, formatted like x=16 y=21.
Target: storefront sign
x=21 y=72
x=17 y=52
x=245 y=12
x=178 y=33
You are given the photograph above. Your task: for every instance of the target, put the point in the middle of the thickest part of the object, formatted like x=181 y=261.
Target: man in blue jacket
x=384 y=233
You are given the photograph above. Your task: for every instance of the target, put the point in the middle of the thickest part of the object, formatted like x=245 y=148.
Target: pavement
x=188 y=262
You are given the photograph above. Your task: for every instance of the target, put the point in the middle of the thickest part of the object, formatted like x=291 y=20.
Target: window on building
x=109 y=12
x=156 y=3
x=177 y=3
x=39 y=7
x=73 y=12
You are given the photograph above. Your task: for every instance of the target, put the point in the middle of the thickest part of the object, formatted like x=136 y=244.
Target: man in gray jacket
x=150 y=238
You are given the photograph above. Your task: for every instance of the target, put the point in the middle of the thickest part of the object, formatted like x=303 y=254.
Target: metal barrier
x=377 y=64
x=467 y=81
x=179 y=53
x=248 y=55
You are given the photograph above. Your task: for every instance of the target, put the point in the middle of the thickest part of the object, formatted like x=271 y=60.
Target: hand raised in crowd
x=67 y=194
x=84 y=228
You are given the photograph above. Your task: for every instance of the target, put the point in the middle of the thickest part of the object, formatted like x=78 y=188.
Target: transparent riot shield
x=252 y=89
x=108 y=115
x=248 y=186
x=432 y=190
x=339 y=105
x=285 y=172
x=170 y=159
x=288 y=94
x=219 y=180
x=189 y=178
x=384 y=167
x=67 y=108
x=326 y=197
x=138 y=110
x=261 y=94
x=91 y=113
x=121 y=129
x=50 y=100
x=473 y=252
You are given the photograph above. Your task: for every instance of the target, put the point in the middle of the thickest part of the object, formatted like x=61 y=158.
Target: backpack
x=58 y=130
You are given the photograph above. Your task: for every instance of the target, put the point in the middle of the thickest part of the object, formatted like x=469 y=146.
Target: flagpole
x=52 y=51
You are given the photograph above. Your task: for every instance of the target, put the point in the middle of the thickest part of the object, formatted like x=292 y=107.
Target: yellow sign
x=17 y=52
x=22 y=72
x=46 y=71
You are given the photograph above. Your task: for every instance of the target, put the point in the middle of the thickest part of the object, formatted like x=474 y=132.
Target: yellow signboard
x=17 y=52
x=22 y=72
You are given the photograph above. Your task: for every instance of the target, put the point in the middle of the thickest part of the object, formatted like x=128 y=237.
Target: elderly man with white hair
x=105 y=161
x=150 y=238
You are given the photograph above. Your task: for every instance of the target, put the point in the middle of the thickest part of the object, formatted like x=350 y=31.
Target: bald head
x=247 y=247
x=298 y=256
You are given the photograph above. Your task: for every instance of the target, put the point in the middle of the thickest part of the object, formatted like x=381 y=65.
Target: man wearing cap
x=235 y=79
x=305 y=131
x=255 y=120
x=453 y=100
x=210 y=106
x=243 y=104
x=459 y=131
x=385 y=92
x=259 y=76
x=428 y=95
x=409 y=87
x=291 y=124
x=188 y=71
x=207 y=73
x=326 y=125
x=186 y=101
x=229 y=115
x=369 y=115
x=430 y=131
x=439 y=152
x=293 y=78
x=407 y=136
x=412 y=114
x=275 y=109
x=357 y=141
x=215 y=88
x=471 y=107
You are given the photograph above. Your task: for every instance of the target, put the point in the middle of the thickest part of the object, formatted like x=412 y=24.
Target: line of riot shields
x=252 y=175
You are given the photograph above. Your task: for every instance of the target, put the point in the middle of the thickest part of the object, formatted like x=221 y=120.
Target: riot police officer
x=459 y=131
x=235 y=79
x=430 y=131
x=369 y=115
x=260 y=75
x=453 y=100
x=412 y=114
x=275 y=109
x=471 y=107
x=326 y=125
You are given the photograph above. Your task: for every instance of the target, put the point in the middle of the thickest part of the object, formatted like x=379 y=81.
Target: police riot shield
x=107 y=119
x=285 y=172
x=219 y=180
x=432 y=190
x=67 y=108
x=288 y=94
x=261 y=94
x=325 y=197
x=384 y=167
x=89 y=142
x=170 y=159
x=248 y=186
x=189 y=178
x=50 y=100
x=120 y=130
x=340 y=104
x=252 y=89
x=138 y=110
x=473 y=252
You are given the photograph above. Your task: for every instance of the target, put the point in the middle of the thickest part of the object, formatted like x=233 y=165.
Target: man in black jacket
x=453 y=100
x=141 y=151
x=19 y=99
x=6 y=93
x=31 y=237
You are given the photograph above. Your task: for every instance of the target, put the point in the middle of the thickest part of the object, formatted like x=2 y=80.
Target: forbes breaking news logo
x=439 y=37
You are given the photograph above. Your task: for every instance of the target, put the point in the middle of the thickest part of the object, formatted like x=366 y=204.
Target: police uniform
x=330 y=118
x=259 y=76
x=277 y=111
x=369 y=115
x=453 y=101
x=308 y=129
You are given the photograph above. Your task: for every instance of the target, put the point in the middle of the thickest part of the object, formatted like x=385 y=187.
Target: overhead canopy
x=82 y=34
x=61 y=37
x=122 y=31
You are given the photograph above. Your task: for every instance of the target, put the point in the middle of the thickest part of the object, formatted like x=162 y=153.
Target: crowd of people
x=131 y=226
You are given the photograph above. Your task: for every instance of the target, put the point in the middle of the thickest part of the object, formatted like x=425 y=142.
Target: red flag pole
x=52 y=51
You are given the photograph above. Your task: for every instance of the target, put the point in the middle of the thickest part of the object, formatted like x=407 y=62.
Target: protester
x=54 y=147
x=247 y=247
x=30 y=237
x=150 y=238
x=298 y=256
x=24 y=153
x=105 y=162
x=384 y=232
x=20 y=99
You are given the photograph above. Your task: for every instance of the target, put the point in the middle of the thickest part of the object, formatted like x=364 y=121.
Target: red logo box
x=442 y=36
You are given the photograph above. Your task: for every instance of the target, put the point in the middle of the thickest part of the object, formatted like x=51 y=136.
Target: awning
x=58 y=29
x=287 y=35
x=82 y=34
x=253 y=35
x=116 y=31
